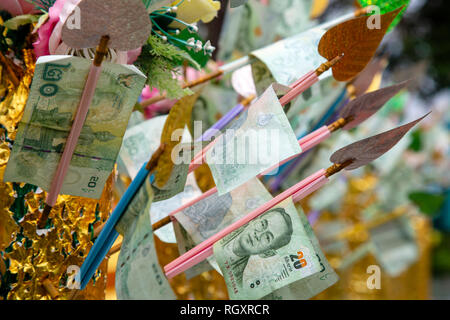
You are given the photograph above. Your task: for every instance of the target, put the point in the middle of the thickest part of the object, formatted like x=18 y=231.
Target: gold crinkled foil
x=13 y=105
x=352 y=285
x=48 y=253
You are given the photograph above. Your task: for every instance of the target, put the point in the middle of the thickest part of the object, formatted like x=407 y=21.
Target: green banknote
x=260 y=138
x=162 y=208
x=394 y=245
x=257 y=24
x=54 y=97
x=141 y=141
x=138 y=274
x=205 y=218
x=289 y=59
x=268 y=253
x=312 y=285
x=185 y=243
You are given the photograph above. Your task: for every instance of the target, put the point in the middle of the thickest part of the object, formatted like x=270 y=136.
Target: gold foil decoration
x=12 y=107
x=40 y=258
x=179 y=117
x=414 y=283
x=358 y=40
x=204 y=178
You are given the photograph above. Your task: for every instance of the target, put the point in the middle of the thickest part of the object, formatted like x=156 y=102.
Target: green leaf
x=160 y=62
x=428 y=203
x=200 y=57
x=387 y=6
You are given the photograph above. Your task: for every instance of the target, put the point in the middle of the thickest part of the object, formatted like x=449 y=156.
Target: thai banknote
x=312 y=285
x=54 y=97
x=138 y=273
x=260 y=138
x=212 y=214
x=185 y=243
x=394 y=245
x=178 y=175
x=289 y=59
x=162 y=208
x=270 y=252
x=258 y=24
x=141 y=141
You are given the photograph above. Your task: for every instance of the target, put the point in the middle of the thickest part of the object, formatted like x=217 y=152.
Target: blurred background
x=395 y=213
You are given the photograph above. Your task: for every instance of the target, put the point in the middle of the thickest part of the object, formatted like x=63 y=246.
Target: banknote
x=312 y=285
x=268 y=253
x=394 y=245
x=138 y=273
x=178 y=175
x=257 y=24
x=185 y=243
x=141 y=141
x=289 y=59
x=260 y=138
x=212 y=214
x=54 y=97
x=160 y=209
x=213 y=102
x=313 y=103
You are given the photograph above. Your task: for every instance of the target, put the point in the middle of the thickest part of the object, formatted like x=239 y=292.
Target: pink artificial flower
x=49 y=33
x=18 y=7
x=160 y=106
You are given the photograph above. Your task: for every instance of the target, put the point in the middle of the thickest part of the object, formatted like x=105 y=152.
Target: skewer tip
x=335 y=168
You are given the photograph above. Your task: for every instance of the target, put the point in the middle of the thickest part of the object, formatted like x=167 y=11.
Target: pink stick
x=307 y=142
x=310 y=189
x=190 y=262
x=308 y=81
x=190 y=203
x=72 y=139
x=316 y=140
x=208 y=251
x=297 y=88
x=282 y=196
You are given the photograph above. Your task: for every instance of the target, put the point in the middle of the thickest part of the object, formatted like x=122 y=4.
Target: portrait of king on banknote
x=262 y=236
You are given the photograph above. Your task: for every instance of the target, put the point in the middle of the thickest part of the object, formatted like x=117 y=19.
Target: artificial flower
x=49 y=34
x=191 y=11
x=18 y=7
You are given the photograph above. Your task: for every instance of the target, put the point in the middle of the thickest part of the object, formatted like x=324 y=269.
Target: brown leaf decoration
x=367 y=150
x=126 y=22
x=363 y=81
x=179 y=116
x=356 y=41
x=366 y=105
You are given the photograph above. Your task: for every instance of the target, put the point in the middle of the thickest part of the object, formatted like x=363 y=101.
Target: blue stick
x=108 y=234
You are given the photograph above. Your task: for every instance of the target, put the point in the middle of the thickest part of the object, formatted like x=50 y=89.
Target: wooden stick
x=50 y=288
x=190 y=84
x=75 y=131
